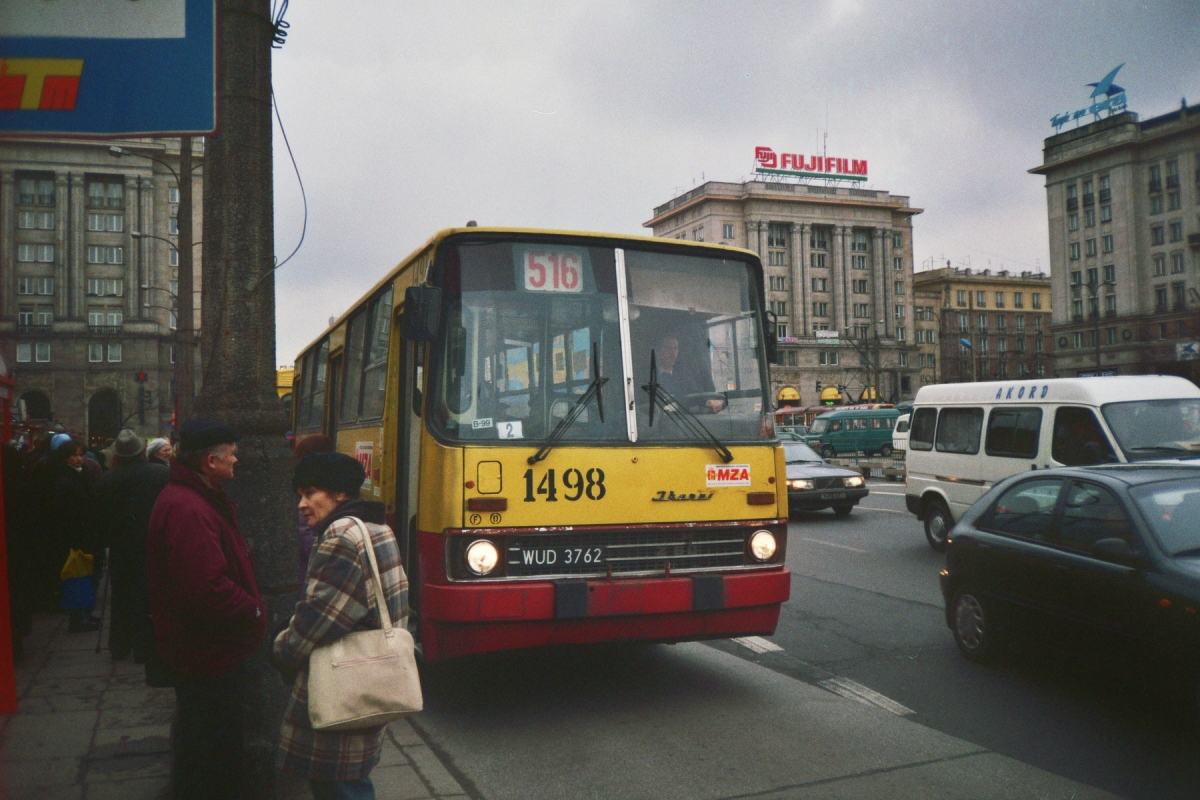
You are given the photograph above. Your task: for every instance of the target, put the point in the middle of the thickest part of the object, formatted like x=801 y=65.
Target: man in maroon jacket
x=208 y=614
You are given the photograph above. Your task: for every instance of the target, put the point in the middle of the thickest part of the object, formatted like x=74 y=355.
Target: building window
x=105 y=222
x=35 y=220
x=1172 y=174
x=1072 y=197
x=1105 y=214
x=1037 y=347
x=828 y=358
x=900 y=332
x=981 y=299
x=1037 y=324
x=778 y=283
x=1156 y=204
x=962 y=297
x=173 y=197
x=1074 y=251
x=818 y=241
x=898 y=263
x=1110 y=273
x=95 y=353
x=97 y=254
x=858 y=242
x=1176 y=232
x=898 y=288
x=983 y=322
x=102 y=194
x=697 y=234
x=1089 y=218
x=858 y=262
x=40 y=253
x=44 y=286
x=962 y=323
x=776 y=235
x=897 y=242
x=1110 y=335
x=41 y=352
x=1173 y=201
x=781 y=330
x=1077 y=339
x=35 y=192
x=1072 y=222
x=1110 y=304
x=820 y=309
x=1160 y=264
x=818 y=260
x=1160 y=298
x=1176 y=263
x=1077 y=309
x=114 y=352
x=858 y=286
x=1093 y=276
x=1091 y=247
x=819 y=284
x=25 y=285
x=106 y=287
x=774 y=258
x=778 y=306
x=1177 y=296
x=899 y=312
x=983 y=345
x=1106 y=243
x=24 y=353
x=1020 y=323
x=1037 y=300
x=1157 y=236
x=862 y=310
x=999 y=299
x=1001 y=323
x=902 y=359
x=1155 y=178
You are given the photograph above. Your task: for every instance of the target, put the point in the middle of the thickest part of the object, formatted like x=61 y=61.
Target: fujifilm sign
x=844 y=169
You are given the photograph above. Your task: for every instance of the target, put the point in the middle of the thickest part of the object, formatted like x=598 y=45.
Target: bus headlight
x=481 y=557
x=762 y=545
x=853 y=480
x=800 y=484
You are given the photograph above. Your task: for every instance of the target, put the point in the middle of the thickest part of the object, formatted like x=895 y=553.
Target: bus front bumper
x=462 y=618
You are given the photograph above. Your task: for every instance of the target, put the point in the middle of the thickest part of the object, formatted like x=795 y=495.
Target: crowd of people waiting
x=184 y=597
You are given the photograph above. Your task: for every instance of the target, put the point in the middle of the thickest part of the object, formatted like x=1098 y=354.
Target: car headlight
x=762 y=545
x=481 y=557
x=800 y=484
x=853 y=480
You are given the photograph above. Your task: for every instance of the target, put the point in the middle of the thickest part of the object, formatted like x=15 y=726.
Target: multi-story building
x=1123 y=199
x=991 y=326
x=88 y=278
x=838 y=267
x=926 y=314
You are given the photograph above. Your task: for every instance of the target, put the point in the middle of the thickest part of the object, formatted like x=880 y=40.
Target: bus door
x=333 y=393
x=409 y=401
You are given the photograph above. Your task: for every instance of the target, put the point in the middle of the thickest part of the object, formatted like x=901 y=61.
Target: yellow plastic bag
x=79 y=565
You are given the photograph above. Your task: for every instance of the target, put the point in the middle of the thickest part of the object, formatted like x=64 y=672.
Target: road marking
x=830 y=544
x=886 y=510
x=889 y=494
x=758 y=644
x=861 y=694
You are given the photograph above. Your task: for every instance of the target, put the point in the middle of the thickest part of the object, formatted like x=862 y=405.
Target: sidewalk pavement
x=88 y=728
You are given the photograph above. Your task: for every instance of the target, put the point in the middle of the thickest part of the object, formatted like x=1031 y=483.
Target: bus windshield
x=528 y=326
x=818 y=426
x=1149 y=429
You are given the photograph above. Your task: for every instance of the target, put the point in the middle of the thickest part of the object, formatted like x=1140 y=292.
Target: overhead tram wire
x=303 y=194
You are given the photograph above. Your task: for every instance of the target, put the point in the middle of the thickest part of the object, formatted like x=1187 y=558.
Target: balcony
x=104 y=330
x=1089 y=199
x=1155 y=185
x=1072 y=203
x=31 y=328
x=1105 y=195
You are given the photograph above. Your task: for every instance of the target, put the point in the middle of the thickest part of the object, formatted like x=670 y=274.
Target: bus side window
x=920 y=432
x=1079 y=441
x=1014 y=432
x=958 y=430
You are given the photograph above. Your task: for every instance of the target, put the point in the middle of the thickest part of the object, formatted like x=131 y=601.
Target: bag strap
x=375 y=589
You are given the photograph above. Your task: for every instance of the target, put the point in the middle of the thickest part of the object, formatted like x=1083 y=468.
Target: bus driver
x=690 y=379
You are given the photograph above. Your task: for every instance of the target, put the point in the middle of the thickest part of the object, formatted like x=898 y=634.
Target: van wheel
x=828 y=451
x=886 y=451
x=974 y=625
x=937 y=525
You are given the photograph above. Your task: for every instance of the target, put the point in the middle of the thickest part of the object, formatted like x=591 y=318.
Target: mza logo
x=727 y=475
x=39 y=84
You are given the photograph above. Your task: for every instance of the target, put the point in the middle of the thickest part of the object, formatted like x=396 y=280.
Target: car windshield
x=1171 y=508
x=525 y=321
x=799 y=454
x=819 y=426
x=1149 y=429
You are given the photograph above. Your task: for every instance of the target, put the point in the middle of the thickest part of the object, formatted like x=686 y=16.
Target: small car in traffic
x=814 y=484
x=1111 y=551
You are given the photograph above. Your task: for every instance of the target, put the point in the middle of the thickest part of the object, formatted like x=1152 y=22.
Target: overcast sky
x=406 y=118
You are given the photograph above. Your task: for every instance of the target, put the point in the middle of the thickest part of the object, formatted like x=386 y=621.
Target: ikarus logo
x=727 y=475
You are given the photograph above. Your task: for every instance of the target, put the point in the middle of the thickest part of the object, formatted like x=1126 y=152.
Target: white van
x=900 y=435
x=964 y=437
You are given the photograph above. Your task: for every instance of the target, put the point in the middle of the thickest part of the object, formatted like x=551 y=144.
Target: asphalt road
x=865 y=605
x=761 y=718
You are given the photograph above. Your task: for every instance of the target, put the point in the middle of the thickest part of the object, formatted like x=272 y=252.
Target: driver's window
x=1079 y=441
x=1026 y=510
x=1092 y=513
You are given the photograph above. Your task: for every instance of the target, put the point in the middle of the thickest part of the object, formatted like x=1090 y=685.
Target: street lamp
x=1093 y=288
x=185 y=384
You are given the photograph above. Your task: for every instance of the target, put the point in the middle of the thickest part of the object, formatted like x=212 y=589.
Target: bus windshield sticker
x=561 y=269
x=727 y=475
x=482 y=422
x=510 y=430
x=364 y=452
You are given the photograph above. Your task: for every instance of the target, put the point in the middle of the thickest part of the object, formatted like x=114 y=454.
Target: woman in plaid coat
x=336 y=763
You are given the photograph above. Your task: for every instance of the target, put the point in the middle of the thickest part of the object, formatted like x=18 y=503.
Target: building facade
x=991 y=326
x=838 y=269
x=1123 y=201
x=88 y=278
x=926 y=314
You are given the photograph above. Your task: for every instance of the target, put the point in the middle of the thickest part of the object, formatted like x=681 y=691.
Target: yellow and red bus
x=571 y=433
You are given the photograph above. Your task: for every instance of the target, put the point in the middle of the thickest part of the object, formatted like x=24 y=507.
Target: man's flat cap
x=198 y=434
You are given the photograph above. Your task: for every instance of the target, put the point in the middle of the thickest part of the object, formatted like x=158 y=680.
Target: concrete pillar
x=133 y=282
x=840 y=290
x=762 y=240
x=880 y=279
x=8 y=224
x=78 y=271
x=798 y=275
x=752 y=242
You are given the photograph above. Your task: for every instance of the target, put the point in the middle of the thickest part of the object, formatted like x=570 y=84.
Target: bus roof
x=883 y=410
x=1088 y=391
x=434 y=240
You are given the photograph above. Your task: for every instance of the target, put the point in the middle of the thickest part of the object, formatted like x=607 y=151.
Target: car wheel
x=937 y=525
x=843 y=511
x=828 y=451
x=886 y=451
x=974 y=625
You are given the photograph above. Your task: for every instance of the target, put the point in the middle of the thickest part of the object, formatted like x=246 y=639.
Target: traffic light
x=818 y=387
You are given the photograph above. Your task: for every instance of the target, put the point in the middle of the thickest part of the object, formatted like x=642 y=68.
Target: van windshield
x=1150 y=429
x=819 y=426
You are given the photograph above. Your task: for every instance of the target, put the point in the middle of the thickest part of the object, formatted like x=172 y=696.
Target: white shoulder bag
x=366 y=678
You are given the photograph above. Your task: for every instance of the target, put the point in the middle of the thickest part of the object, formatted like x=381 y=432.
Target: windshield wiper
x=560 y=430
x=687 y=420
x=1167 y=448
